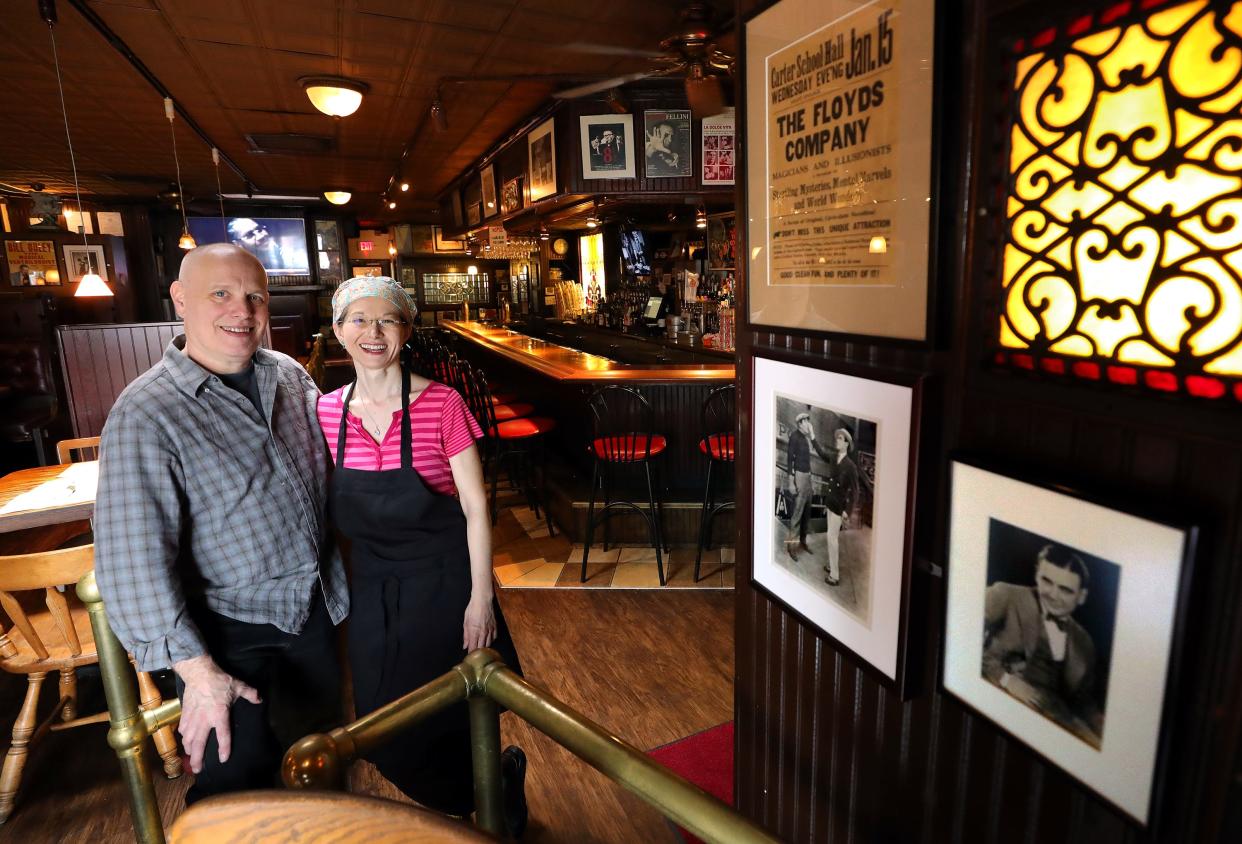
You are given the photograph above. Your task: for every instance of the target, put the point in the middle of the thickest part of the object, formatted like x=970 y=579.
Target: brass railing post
x=128 y=729
x=485 y=744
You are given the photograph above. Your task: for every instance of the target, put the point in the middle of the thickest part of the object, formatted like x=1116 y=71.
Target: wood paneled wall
x=826 y=754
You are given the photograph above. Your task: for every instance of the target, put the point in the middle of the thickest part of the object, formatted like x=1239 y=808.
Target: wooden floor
x=651 y=666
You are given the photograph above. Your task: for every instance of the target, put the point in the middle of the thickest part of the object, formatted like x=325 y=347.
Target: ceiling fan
x=690 y=52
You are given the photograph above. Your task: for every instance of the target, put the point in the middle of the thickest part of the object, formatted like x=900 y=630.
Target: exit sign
x=366 y=245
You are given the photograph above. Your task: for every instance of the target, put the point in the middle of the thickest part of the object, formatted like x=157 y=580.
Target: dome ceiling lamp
x=337 y=196
x=335 y=96
x=92 y=284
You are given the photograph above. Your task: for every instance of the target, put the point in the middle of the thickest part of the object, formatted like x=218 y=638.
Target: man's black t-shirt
x=245 y=383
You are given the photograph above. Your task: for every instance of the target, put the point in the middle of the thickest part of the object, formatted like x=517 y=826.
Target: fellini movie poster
x=833 y=107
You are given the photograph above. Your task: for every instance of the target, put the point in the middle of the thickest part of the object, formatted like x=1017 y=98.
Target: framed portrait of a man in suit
x=1063 y=622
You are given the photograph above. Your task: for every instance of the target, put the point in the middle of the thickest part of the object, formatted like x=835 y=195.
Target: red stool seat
x=517 y=429
x=718 y=446
x=504 y=398
x=627 y=449
x=505 y=412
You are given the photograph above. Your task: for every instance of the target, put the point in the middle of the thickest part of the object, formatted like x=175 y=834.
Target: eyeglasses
x=385 y=323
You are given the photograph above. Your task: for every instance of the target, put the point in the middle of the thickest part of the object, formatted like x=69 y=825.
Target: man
x=840 y=490
x=798 y=461
x=1035 y=650
x=258 y=241
x=659 y=145
x=211 y=550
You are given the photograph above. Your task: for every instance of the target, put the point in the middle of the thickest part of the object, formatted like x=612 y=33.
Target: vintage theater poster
x=839 y=166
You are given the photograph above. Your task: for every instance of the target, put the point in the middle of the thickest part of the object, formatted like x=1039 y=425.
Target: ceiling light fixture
x=92 y=284
x=336 y=196
x=438 y=118
x=391 y=205
x=405 y=186
x=543 y=232
x=335 y=96
x=700 y=218
x=187 y=240
x=392 y=249
x=215 y=160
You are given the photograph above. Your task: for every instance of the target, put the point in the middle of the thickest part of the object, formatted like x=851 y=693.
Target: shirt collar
x=190 y=376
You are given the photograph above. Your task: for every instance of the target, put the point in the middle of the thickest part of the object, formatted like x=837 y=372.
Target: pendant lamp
x=187 y=240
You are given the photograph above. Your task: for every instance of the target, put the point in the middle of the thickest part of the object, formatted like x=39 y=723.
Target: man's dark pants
x=298 y=678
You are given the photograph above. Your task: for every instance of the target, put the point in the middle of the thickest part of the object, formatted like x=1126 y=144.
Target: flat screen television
x=652 y=311
x=634 y=251
x=278 y=242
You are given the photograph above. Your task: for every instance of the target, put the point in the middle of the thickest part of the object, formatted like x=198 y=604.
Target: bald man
x=211 y=550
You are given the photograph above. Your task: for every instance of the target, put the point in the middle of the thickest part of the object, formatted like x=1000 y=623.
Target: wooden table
x=48 y=495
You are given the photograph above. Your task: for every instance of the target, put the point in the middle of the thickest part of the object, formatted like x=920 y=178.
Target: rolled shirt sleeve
x=139 y=517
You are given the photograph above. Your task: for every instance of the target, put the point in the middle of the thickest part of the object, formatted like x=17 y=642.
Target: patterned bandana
x=360 y=287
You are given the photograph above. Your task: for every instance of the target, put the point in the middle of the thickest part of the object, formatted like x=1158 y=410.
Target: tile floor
x=525 y=557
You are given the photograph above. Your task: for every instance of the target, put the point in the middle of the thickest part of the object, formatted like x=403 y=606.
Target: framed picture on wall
x=422 y=240
x=32 y=263
x=838 y=181
x=459 y=219
x=81 y=259
x=834 y=457
x=488 y=178
x=443 y=245
x=541 y=150
x=1062 y=624
x=511 y=196
x=474 y=214
x=666 y=143
x=607 y=146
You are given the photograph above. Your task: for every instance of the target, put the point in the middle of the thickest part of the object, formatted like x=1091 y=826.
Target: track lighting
x=405 y=186
x=391 y=205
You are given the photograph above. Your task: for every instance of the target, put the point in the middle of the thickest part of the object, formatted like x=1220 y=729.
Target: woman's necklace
x=367 y=419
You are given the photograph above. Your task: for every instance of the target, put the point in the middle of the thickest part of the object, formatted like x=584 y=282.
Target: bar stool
x=623 y=424
x=518 y=439
x=719 y=444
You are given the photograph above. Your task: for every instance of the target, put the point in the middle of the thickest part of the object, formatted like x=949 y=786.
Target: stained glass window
x=1122 y=256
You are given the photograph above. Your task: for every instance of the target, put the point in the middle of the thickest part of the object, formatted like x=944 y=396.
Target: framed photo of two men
x=834 y=456
x=1063 y=624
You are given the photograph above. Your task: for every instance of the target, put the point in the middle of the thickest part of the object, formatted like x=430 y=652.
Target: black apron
x=409 y=587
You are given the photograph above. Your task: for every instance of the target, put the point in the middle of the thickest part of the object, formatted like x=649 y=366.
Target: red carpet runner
x=706 y=759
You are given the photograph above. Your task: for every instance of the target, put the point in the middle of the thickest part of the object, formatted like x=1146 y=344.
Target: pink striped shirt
x=440 y=427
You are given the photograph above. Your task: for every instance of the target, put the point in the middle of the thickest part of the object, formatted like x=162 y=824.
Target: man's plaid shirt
x=202 y=501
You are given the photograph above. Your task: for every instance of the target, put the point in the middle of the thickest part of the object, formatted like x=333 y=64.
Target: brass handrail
x=320 y=761
x=482 y=679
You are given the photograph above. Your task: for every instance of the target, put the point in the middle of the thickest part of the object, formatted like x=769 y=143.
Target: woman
x=407 y=491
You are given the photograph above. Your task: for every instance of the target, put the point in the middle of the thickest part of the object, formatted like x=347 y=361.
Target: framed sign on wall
x=541 y=151
x=839 y=166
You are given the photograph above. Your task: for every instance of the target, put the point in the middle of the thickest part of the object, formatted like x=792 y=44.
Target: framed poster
x=32 y=263
x=474 y=214
x=442 y=245
x=459 y=219
x=838 y=177
x=666 y=143
x=541 y=150
x=607 y=146
x=81 y=259
x=1086 y=688
x=834 y=463
x=422 y=240
x=719 y=153
x=488 y=177
x=511 y=196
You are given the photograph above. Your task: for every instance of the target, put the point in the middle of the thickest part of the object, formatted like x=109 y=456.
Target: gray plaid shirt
x=201 y=500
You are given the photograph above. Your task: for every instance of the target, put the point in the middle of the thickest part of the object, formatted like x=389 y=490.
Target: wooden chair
x=77 y=450
x=314 y=364
x=50 y=631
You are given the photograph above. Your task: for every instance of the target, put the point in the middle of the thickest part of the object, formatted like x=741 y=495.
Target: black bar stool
x=623 y=423
x=719 y=444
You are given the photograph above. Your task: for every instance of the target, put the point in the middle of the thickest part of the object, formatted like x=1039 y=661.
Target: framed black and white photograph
x=541 y=150
x=1061 y=625
x=488 y=179
x=81 y=259
x=607 y=146
x=667 y=143
x=834 y=463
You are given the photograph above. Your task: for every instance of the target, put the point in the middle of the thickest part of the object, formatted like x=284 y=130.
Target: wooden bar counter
x=558 y=378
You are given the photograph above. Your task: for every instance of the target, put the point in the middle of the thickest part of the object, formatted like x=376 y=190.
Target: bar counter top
x=565 y=364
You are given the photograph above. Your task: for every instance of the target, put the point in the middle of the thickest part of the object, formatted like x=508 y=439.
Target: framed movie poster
x=32 y=263
x=541 y=149
x=1063 y=619
x=81 y=259
x=719 y=153
x=607 y=146
x=511 y=196
x=834 y=462
x=838 y=180
x=442 y=245
x=666 y=143
x=488 y=178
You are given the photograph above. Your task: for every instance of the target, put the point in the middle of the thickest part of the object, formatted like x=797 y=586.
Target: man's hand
x=209 y=692
x=1023 y=691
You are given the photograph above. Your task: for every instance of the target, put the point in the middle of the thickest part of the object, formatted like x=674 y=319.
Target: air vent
x=290 y=144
